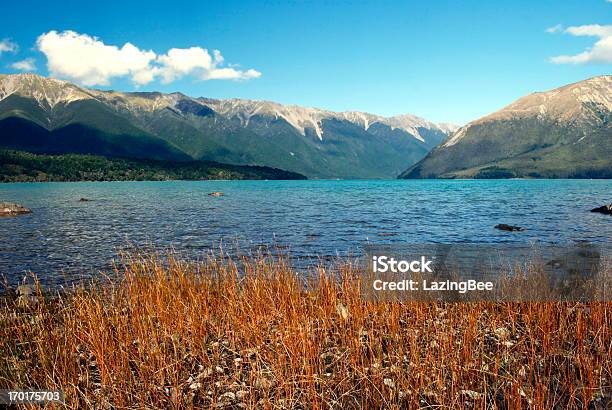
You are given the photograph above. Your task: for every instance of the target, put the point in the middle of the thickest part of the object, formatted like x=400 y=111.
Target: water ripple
x=65 y=238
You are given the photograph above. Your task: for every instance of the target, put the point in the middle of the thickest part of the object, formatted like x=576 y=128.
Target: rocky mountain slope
x=45 y=115
x=51 y=116
x=565 y=132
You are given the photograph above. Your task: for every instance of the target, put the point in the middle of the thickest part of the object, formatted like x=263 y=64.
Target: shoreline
x=201 y=334
x=313 y=180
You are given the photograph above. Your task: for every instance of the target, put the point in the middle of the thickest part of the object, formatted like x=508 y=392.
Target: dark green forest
x=19 y=166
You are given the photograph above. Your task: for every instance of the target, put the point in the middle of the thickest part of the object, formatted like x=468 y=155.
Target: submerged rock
x=216 y=193
x=509 y=228
x=605 y=209
x=11 y=209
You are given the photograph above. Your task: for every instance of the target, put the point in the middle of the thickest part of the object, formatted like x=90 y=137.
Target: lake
x=65 y=239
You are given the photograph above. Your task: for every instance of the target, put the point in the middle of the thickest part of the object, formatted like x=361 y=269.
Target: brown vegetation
x=174 y=334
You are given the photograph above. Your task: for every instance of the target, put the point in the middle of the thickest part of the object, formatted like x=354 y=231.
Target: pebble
x=389 y=383
x=227 y=396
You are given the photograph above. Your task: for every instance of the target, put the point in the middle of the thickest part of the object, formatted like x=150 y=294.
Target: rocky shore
x=201 y=335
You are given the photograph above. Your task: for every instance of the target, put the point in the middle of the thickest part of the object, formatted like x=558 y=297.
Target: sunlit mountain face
x=561 y=133
x=46 y=115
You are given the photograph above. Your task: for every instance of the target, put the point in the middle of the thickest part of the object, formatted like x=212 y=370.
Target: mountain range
x=49 y=116
x=562 y=133
x=559 y=133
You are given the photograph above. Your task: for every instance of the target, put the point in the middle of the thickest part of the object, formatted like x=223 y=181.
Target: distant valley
x=49 y=116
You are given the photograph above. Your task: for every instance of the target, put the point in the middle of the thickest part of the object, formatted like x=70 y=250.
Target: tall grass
x=174 y=334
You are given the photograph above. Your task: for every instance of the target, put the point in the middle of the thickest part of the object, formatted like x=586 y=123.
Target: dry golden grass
x=174 y=334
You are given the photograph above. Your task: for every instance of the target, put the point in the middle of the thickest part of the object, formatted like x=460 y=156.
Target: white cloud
x=600 y=52
x=593 y=30
x=182 y=61
x=89 y=61
x=7 y=45
x=232 y=74
x=25 y=65
x=555 y=29
x=196 y=61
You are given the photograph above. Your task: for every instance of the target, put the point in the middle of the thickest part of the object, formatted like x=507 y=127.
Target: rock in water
x=11 y=209
x=509 y=228
x=605 y=209
x=216 y=193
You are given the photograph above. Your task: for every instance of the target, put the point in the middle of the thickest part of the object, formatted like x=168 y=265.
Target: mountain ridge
x=407 y=122
x=559 y=133
x=311 y=141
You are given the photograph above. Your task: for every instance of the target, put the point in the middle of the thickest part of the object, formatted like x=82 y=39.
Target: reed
x=252 y=333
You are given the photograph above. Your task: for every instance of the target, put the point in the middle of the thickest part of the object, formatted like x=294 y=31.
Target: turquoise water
x=64 y=239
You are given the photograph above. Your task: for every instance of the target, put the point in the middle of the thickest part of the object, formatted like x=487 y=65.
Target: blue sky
x=443 y=60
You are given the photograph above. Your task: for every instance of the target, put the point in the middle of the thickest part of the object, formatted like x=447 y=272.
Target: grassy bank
x=18 y=166
x=182 y=335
